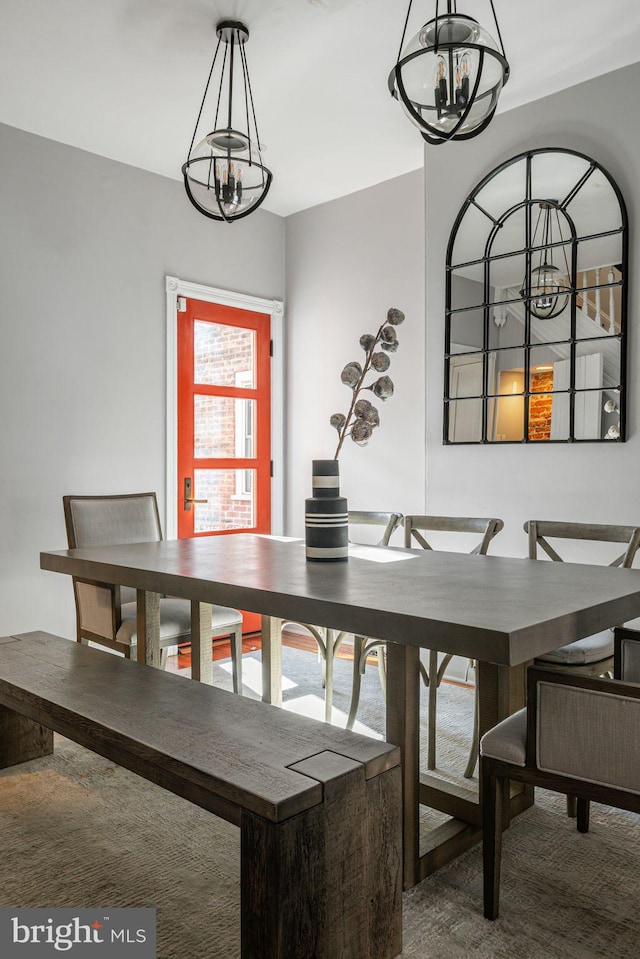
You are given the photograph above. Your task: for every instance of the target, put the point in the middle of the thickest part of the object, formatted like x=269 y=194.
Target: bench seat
x=314 y=802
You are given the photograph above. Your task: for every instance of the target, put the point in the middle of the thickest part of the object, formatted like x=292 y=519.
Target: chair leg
x=572 y=807
x=491 y=838
x=434 y=678
x=359 y=660
x=362 y=649
x=236 y=658
x=163 y=658
x=332 y=645
x=432 y=703
x=583 y=815
x=382 y=670
x=473 y=753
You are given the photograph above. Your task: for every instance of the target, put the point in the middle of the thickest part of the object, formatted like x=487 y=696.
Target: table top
x=495 y=609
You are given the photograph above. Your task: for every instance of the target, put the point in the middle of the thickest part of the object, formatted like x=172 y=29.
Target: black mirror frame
x=486 y=305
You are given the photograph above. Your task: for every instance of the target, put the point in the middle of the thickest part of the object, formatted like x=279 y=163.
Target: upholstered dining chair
x=106 y=614
x=592 y=656
x=578 y=735
x=415 y=527
x=329 y=641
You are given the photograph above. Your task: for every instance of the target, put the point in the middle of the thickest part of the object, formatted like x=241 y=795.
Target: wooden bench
x=319 y=808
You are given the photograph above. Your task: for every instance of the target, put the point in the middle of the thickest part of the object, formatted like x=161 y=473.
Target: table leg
x=403 y=729
x=502 y=691
x=272 y=660
x=201 y=661
x=148 y=627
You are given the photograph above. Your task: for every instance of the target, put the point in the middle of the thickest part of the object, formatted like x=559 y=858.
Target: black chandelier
x=548 y=288
x=224 y=175
x=449 y=76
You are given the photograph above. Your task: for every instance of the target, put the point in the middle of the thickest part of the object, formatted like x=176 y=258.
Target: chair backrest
x=626 y=654
x=107 y=521
x=485 y=527
x=387 y=522
x=540 y=531
x=111 y=520
x=581 y=727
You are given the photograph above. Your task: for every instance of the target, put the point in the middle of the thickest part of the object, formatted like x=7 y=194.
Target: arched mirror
x=536 y=305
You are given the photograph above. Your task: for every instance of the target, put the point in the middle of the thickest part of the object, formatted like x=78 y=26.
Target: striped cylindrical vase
x=326 y=516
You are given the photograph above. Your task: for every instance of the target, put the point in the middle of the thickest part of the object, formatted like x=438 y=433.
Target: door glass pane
x=222 y=353
x=230 y=496
x=223 y=427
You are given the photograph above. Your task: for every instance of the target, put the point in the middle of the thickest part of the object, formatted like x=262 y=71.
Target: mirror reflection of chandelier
x=549 y=288
x=224 y=175
x=449 y=76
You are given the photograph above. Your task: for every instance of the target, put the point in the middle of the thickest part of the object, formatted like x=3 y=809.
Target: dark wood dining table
x=501 y=612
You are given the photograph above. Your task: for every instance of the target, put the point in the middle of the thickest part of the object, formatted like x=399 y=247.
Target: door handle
x=188 y=498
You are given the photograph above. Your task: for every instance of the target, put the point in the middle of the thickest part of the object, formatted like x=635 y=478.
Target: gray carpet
x=79 y=831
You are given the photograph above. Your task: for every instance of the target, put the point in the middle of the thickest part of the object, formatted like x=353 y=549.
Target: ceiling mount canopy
x=449 y=76
x=224 y=175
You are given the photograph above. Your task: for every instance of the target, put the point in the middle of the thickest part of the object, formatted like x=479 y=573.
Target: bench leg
x=327 y=883
x=22 y=739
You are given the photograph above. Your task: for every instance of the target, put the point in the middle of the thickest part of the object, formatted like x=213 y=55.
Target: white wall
x=347 y=262
x=85 y=244
x=588 y=482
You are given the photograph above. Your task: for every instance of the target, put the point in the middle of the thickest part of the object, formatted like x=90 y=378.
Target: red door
x=224 y=417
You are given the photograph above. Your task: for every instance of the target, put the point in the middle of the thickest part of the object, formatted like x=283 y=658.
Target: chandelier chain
x=253 y=112
x=495 y=20
x=224 y=63
x=195 y=130
x=406 y=23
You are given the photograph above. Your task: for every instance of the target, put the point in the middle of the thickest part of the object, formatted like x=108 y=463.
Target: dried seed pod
x=373 y=417
x=395 y=317
x=361 y=432
x=390 y=347
x=338 y=420
x=362 y=408
x=383 y=387
x=366 y=341
x=380 y=362
x=351 y=374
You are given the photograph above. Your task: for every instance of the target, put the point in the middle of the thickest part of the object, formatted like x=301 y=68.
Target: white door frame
x=176 y=287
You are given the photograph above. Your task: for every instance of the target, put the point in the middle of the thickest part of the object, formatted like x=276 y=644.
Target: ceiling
x=124 y=78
